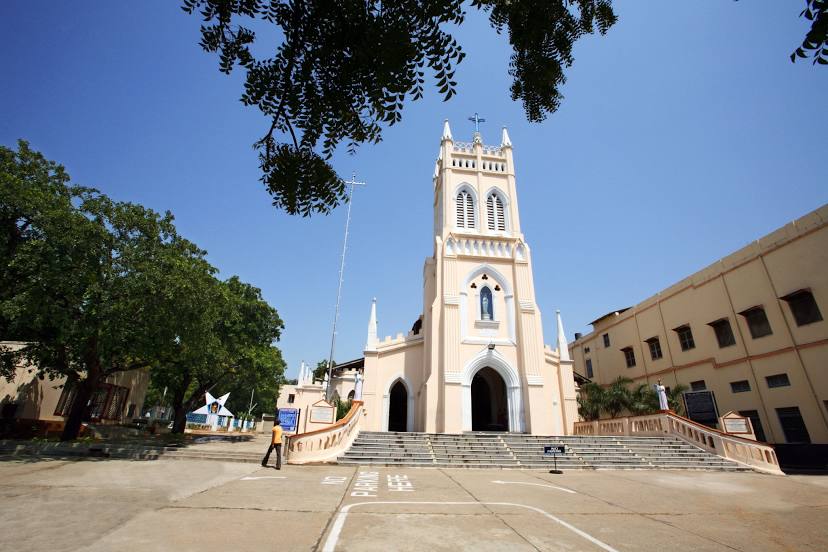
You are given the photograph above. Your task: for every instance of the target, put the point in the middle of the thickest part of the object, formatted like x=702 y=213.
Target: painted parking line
x=339 y=522
x=564 y=489
x=252 y=477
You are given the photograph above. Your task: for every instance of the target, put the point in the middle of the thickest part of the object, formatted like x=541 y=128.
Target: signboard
x=736 y=425
x=289 y=418
x=552 y=450
x=701 y=407
x=322 y=412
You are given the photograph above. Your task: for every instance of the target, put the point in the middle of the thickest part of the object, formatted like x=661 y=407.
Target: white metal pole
x=352 y=183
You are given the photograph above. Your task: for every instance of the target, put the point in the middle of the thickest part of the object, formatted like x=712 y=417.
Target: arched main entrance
x=490 y=407
x=398 y=407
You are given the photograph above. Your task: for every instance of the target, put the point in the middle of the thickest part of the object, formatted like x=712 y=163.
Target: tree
x=322 y=369
x=344 y=69
x=642 y=400
x=816 y=40
x=85 y=280
x=591 y=401
x=230 y=346
x=674 y=399
x=617 y=396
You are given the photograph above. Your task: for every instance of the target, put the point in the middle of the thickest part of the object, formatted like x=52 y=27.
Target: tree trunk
x=180 y=409
x=85 y=388
x=180 y=419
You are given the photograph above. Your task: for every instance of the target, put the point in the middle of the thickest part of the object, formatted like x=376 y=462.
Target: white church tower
x=477 y=361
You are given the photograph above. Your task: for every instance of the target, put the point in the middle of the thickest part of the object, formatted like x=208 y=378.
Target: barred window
x=685 y=336
x=803 y=307
x=629 y=356
x=655 y=348
x=724 y=333
x=741 y=386
x=757 y=322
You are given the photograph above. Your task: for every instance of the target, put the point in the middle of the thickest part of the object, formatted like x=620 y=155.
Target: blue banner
x=288 y=418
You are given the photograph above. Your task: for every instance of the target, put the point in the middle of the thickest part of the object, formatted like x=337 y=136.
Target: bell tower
x=474 y=187
x=475 y=360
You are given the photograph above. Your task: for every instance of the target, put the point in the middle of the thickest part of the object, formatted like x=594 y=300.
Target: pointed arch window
x=486 y=307
x=465 y=210
x=496 y=213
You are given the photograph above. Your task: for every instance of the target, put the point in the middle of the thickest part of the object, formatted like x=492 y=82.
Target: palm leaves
x=617 y=397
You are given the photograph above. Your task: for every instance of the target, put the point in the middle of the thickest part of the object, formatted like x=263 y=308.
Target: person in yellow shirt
x=275 y=443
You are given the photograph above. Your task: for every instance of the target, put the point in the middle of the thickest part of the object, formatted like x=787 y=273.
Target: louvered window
x=494 y=209
x=465 y=210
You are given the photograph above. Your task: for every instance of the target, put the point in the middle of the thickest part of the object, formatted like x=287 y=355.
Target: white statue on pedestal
x=661 y=391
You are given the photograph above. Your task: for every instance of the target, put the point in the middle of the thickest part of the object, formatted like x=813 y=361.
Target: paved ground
x=182 y=505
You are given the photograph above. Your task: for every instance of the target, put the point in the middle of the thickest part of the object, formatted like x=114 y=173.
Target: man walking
x=275 y=443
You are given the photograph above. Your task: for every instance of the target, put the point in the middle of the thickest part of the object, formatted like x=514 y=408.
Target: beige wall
x=791 y=258
x=37 y=399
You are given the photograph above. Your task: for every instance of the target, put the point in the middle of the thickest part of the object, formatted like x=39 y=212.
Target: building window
x=742 y=386
x=291 y=398
x=486 y=307
x=494 y=210
x=465 y=210
x=606 y=340
x=803 y=306
x=589 y=368
x=778 y=380
x=586 y=349
x=724 y=333
x=757 y=322
x=629 y=356
x=685 y=337
x=698 y=385
x=655 y=348
x=793 y=425
x=756 y=422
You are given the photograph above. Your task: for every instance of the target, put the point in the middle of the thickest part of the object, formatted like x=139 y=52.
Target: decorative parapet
x=325 y=445
x=468 y=147
x=756 y=455
x=462 y=246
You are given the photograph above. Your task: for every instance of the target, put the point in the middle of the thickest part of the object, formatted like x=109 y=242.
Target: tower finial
x=504 y=140
x=563 y=348
x=372 y=341
x=447 y=131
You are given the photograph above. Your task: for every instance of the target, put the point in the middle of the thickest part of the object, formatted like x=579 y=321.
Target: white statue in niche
x=486 y=304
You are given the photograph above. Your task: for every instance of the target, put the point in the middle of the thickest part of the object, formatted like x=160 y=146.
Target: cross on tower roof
x=477 y=120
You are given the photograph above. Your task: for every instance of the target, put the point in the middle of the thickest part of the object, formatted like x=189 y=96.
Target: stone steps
x=509 y=450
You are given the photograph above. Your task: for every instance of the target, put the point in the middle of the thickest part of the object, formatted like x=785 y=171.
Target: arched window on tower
x=465 y=210
x=495 y=212
x=486 y=307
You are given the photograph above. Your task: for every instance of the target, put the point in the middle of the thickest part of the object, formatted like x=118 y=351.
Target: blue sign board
x=288 y=418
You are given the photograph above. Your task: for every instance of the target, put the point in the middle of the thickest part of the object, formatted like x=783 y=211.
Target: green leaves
x=299 y=180
x=98 y=287
x=816 y=40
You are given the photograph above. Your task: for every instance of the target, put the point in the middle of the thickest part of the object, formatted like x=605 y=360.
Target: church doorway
x=490 y=407
x=398 y=407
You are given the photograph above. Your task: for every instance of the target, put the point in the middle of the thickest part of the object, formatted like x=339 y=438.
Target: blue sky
x=685 y=133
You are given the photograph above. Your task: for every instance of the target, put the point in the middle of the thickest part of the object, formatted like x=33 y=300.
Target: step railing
x=757 y=455
x=324 y=445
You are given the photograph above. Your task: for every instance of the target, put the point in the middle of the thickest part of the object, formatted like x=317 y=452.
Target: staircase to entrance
x=514 y=450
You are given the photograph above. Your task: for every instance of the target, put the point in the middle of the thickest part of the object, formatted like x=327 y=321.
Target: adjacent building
x=751 y=328
x=28 y=398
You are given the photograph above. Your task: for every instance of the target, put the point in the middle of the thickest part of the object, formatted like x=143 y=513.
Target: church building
x=475 y=359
